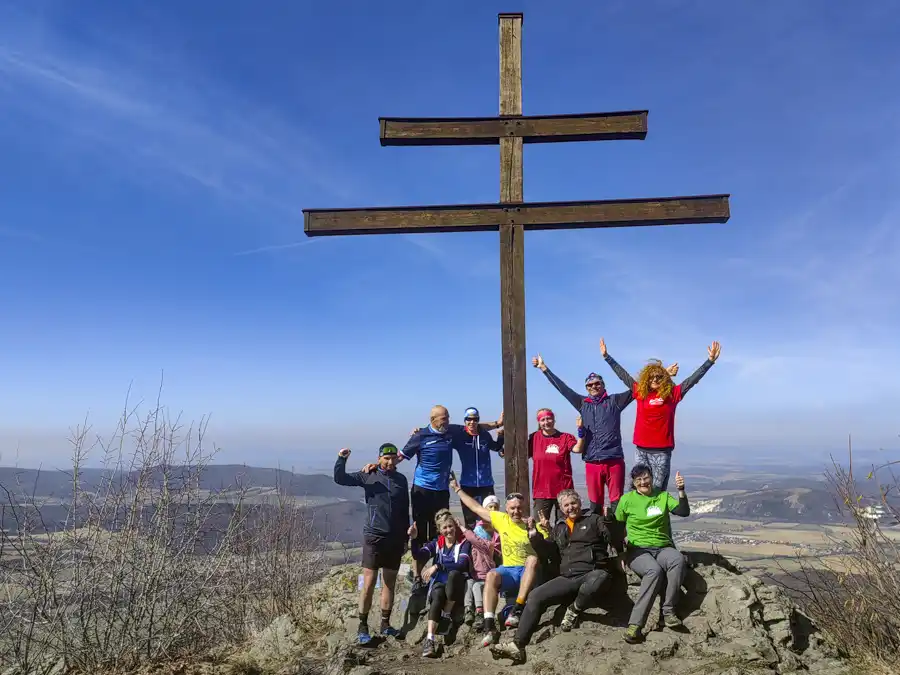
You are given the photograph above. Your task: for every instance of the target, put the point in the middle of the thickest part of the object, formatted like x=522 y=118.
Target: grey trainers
x=568 y=622
x=429 y=651
x=672 y=621
x=509 y=650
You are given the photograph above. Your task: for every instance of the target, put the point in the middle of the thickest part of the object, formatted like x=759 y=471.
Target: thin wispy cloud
x=274 y=248
x=167 y=121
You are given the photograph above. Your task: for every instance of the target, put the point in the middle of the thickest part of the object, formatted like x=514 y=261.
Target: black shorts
x=425 y=503
x=382 y=552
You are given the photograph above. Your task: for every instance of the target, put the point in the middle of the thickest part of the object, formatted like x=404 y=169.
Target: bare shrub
x=149 y=564
x=855 y=598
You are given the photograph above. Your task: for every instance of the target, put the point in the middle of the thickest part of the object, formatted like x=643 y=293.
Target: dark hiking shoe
x=444 y=625
x=470 y=616
x=479 y=621
x=509 y=650
x=429 y=651
x=633 y=634
x=569 y=620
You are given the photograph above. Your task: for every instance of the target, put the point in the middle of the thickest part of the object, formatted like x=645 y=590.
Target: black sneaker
x=444 y=625
x=429 y=651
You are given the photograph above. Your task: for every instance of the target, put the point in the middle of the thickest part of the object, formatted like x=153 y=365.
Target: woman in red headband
x=550 y=451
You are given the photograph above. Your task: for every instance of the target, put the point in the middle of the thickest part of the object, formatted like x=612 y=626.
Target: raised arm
x=341 y=477
x=568 y=393
x=713 y=350
x=490 y=426
x=473 y=504
x=580 y=436
x=681 y=508
x=620 y=372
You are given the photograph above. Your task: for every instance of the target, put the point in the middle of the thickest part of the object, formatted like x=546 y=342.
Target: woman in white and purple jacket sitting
x=485 y=553
x=446 y=575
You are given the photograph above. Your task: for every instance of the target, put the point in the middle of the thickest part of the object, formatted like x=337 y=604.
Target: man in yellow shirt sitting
x=520 y=569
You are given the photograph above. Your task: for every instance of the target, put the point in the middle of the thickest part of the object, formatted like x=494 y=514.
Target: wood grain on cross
x=512 y=215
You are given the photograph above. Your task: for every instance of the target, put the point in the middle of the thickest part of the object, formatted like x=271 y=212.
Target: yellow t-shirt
x=514 y=542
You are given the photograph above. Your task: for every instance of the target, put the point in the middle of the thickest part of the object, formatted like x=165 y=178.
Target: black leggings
x=441 y=591
x=547 y=506
x=584 y=590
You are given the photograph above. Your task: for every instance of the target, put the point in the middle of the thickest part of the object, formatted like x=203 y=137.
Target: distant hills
x=215 y=477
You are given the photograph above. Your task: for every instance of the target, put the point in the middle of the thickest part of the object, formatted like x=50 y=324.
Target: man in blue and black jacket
x=474 y=446
x=384 y=534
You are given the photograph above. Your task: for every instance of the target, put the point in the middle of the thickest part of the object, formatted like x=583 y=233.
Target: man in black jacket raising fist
x=581 y=542
x=384 y=534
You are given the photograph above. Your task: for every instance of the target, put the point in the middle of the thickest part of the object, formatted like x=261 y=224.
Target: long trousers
x=660 y=463
x=441 y=591
x=651 y=565
x=584 y=590
x=474 y=593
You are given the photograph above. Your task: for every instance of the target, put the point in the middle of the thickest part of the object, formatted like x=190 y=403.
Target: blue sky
x=156 y=158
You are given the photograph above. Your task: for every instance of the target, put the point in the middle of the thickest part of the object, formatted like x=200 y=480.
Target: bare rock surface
x=733 y=625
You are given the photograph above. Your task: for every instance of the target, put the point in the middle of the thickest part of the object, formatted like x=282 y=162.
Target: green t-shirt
x=646 y=518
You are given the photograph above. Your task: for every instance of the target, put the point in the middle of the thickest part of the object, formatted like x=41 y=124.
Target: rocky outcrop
x=733 y=624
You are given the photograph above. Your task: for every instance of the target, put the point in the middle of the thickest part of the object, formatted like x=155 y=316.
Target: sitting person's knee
x=492 y=579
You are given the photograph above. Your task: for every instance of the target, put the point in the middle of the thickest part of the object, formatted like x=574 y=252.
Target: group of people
x=540 y=562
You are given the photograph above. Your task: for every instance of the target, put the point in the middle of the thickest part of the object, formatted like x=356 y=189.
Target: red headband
x=545 y=413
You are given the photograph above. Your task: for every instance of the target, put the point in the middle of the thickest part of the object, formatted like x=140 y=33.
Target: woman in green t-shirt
x=651 y=553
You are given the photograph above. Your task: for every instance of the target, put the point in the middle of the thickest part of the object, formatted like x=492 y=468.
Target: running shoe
x=389 y=631
x=633 y=634
x=568 y=622
x=429 y=651
x=470 y=616
x=671 y=620
x=509 y=650
x=512 y=620
x=363 y=638
x=490 y=638
x=479 y=622
x=444 y=625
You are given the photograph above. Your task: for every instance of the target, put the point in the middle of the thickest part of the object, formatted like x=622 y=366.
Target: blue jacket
x=602 y=420
x=387 y=498
x=475 y=456
x=434 y=452
x=457 y=557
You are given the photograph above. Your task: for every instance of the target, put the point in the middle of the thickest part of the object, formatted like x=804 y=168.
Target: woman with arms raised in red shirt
x=657 y=398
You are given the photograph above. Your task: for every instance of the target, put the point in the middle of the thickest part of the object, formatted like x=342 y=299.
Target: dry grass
x=147 y=567
x=855 y=598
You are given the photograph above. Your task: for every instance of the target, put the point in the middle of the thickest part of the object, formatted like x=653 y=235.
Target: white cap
x=490 y=499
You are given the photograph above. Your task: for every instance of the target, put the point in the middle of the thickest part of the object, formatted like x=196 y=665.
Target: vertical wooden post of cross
x=512 y=264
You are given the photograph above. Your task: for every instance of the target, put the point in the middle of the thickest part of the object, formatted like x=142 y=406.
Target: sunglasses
x=472 y=419
x=594 y=384
x=514 y=495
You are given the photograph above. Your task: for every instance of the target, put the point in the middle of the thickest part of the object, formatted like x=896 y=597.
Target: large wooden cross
x=512 y=216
